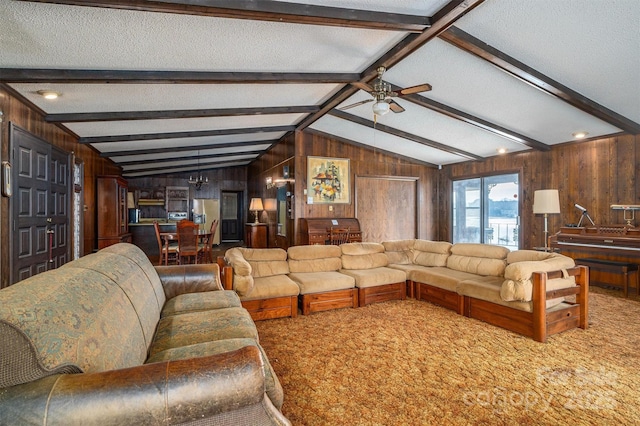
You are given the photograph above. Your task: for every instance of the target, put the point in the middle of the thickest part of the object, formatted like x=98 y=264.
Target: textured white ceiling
x=98 y=38
x=472 y=85
x=591 y=46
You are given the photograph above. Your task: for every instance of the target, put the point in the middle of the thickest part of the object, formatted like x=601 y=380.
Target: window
x=485 y=210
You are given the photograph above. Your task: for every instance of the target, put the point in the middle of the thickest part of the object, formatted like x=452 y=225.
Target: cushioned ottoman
x=315 y=270
x=367 y=263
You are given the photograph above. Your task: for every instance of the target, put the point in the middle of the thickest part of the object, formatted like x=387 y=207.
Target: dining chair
x=206 y=246
x=338 y=236
x=166 y=250
x=187 y=240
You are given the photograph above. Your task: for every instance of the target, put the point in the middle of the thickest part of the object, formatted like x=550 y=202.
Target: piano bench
x=625 y=268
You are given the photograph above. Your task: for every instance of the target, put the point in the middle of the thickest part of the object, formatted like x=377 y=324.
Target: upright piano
x=315 y=230
x=612 y=246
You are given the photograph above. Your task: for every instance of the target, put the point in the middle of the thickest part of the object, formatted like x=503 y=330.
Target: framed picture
x=328 y=180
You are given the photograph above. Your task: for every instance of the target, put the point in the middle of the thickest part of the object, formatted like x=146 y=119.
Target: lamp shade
x=256 y=204
x=546 y=201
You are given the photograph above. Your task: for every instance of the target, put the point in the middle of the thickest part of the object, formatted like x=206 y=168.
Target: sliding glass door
x=486 y=210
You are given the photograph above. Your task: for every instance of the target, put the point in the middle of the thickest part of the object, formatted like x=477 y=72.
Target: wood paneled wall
x=594 y=174
x=31 y=119
x=293 y=151
x=229 y=179
x=271 y=165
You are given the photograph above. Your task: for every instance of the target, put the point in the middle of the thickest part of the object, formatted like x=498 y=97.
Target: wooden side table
x=255 y=235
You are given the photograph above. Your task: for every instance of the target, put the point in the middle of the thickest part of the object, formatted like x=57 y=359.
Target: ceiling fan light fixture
x=380 y=108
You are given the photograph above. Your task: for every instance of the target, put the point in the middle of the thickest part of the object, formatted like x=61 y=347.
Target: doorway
x=40 y=206
x=231 y=220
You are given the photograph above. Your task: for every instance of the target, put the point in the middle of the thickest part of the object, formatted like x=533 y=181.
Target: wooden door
x=387 y=207
x=231 y=221
x=40 y=205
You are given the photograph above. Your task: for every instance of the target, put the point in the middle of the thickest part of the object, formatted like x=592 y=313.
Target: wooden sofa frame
x=327 y=300
x=538 y=324
x=260 y=309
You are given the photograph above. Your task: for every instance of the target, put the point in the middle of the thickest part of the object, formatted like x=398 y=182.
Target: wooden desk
x=255 y=235
x=315 y=230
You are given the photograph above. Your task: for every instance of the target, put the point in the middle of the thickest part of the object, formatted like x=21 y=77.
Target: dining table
x=203 y=236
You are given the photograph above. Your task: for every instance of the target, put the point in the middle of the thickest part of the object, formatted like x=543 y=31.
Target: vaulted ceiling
x=169 y=86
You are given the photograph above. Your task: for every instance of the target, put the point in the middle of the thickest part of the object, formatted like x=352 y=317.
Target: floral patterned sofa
x=109 y=339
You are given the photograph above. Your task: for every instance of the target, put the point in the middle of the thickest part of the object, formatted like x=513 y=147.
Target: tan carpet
x=413 y=363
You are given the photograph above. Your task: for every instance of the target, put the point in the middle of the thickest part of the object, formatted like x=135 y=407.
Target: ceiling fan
x=382 y=94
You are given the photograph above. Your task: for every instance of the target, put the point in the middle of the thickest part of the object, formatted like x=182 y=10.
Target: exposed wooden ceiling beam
x=180 y=169
x=473 y=120
x=189 y=134
x=52 y=75
x=405 y=135
x=442 y=20
x=193 y=158
x=471 y=44
x=112 y=154
x=266 y=10
x=184 y=113
x=362 y=145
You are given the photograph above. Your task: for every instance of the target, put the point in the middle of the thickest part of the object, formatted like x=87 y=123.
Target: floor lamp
x=546 y=202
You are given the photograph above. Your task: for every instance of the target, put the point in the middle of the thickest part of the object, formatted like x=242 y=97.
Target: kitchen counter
x=144 y=236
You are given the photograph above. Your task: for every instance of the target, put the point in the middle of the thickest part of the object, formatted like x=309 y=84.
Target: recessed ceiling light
x=580 y=135
x=49 y=94
x=502 y=150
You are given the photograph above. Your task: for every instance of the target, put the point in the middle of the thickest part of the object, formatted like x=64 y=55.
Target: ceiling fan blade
x=355 y=105
x=363 y=86
x=395 y=107
x=414 y=89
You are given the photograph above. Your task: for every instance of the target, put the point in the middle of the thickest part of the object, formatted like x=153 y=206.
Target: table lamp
x=256 y=204
x=546 y=202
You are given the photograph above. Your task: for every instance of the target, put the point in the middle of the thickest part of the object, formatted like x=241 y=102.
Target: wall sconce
x=546 y=201
x=255 y=206
x=270 y=183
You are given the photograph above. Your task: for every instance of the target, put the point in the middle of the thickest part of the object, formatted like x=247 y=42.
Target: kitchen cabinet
x=111 y=209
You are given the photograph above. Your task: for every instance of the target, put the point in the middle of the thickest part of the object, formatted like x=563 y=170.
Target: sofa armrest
x=226 y=273
x=181 y=279
x=541 y=294
x=170 y=392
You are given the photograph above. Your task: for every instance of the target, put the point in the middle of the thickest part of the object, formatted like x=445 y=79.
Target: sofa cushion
x=518 y=284
x=206 y=326
x=133 y=281
x=272 y=384
x=136 y=255
x=67 y=320
x=431 y=253
x=439 y=276
x=363 y=256
x=242 y=278
x=266 y=262
x=318 y=282
x=315 y=258
x=375 y=276
x=399 y=252
x=194 y=302
x=488 y=289
x=480 y=259
x=270 y=287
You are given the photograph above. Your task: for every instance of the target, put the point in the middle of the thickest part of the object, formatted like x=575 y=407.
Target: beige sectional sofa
x=109 y=339
x=524 y=291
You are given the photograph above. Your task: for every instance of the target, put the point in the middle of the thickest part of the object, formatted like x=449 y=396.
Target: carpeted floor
x=413 y=363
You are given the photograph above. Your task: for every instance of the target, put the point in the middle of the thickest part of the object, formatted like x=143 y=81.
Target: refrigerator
x=205 y=211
